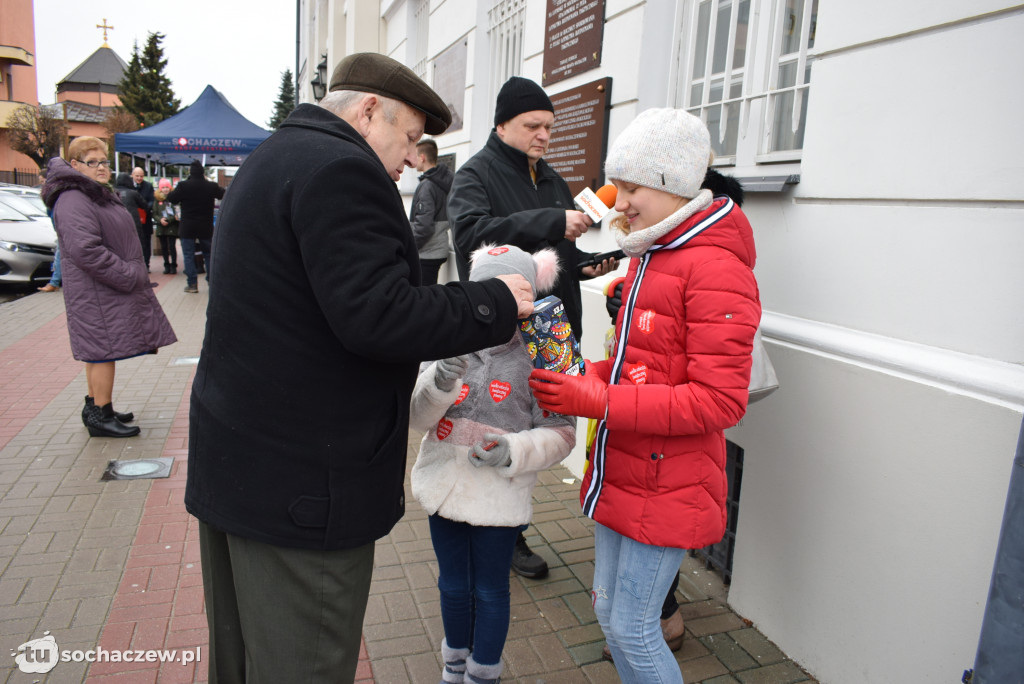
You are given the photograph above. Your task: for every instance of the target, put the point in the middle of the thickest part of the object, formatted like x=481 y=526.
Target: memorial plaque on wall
x=572 y=38
x=579 y=138
x=450 y=82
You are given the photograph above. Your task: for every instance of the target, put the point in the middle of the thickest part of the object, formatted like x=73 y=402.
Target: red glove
x=570 y=395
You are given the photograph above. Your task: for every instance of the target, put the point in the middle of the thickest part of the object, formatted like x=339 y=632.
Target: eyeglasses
x=93 y=164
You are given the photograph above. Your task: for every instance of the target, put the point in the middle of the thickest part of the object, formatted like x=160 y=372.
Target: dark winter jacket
x=131 y=199
x=299 y=420
x=112 y=312
x=195 y=194
x=429 y=213
x=162 y=209
x=494 y=200
x=146 y=192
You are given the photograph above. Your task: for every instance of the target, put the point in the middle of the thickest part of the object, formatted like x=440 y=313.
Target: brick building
x=17 y=82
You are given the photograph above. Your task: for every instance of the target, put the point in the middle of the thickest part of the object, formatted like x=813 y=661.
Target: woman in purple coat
x=112 y=312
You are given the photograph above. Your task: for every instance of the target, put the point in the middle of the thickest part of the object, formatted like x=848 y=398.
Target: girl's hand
x=493 y=451
x=570 y=395
x=448 y=371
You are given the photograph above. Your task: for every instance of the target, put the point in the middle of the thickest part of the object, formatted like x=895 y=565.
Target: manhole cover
x=141 y=469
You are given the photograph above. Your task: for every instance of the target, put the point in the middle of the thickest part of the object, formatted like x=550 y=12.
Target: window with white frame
x=745 y=69
x=505 y=31
x=421 y=29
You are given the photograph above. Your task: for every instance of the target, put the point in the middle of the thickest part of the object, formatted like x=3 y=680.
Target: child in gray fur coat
x=486 y=440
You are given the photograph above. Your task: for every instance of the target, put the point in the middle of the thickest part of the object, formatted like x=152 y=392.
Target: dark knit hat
x=196 y=168
x=370 y=72
x=520 y=95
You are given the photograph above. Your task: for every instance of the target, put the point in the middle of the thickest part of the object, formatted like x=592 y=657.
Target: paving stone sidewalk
x=115 y=564
x=554 y=637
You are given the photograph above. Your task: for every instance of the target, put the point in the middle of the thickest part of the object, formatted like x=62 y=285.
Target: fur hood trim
x=60 y=178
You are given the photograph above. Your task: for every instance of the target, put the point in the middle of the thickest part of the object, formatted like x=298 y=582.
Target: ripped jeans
x=630 y=583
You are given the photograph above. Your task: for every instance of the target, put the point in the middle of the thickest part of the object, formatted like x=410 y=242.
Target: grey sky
x=240 y=47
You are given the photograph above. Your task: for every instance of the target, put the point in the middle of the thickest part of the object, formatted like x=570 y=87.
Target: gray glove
x=497 y=456
x=448 y=371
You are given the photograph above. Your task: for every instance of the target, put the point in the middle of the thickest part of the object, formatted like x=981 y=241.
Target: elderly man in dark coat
x=196 y=196
x=300 y=406
x=145 y=190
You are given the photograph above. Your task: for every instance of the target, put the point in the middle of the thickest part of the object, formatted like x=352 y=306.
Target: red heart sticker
x=645 y=322
x=500 y=390
x=497 y=251
x=638 y=374
x=463 y=393
x=444 y=428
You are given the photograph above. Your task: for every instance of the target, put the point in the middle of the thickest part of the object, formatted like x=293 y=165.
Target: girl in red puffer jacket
x=655 y=483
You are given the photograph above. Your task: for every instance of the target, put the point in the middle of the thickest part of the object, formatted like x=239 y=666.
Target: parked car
x=31 y=196
x=27 y=239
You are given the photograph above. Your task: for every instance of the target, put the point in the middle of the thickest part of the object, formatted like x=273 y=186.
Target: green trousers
x=279 y=614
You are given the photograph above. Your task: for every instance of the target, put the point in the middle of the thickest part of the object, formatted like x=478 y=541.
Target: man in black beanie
x=506 y=193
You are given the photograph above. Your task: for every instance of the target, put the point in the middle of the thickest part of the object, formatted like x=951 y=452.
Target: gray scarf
x=635 y=244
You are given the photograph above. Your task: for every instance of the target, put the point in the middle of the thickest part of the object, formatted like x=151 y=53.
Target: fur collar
x=60 y=178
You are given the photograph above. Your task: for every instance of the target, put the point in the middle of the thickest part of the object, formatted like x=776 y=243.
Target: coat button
x=654 y=457
x=484 y=310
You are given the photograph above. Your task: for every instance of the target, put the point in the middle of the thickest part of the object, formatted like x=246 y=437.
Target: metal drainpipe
x=1000 y=656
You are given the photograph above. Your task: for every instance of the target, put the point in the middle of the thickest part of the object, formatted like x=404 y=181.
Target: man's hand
x=606 y=266
x=570 y=395
x=494 y=451
x=521 y=290
x=576 y=224
x=448 y=371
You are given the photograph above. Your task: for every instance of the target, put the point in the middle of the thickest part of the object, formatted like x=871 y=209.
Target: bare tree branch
x=35 y=132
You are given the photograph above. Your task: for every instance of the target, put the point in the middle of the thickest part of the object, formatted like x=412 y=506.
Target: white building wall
x=868 y=522
x=874 y=480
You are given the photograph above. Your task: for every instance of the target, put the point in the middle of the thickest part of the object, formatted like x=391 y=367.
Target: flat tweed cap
x=370 y=72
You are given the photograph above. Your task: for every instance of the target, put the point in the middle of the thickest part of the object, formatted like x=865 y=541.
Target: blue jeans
x=188 y=254
x=473 y=564
x=630 y=583
x=55 y=277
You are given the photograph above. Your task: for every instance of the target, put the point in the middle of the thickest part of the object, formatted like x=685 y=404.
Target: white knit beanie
x=664 y=149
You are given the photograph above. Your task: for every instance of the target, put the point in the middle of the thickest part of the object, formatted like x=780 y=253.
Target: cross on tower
x=104 y=27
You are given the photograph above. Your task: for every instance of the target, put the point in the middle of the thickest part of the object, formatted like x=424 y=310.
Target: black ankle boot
x=174 y=269
x=526 y=563
x=123 y=417
x=102 y=423
x=167 y=269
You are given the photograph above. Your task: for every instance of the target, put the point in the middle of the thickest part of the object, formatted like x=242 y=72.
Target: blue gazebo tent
x=209 y=129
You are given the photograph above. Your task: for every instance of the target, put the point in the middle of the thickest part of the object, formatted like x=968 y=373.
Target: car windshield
x=8 y=213
x=37 y=202
x=24 y=204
